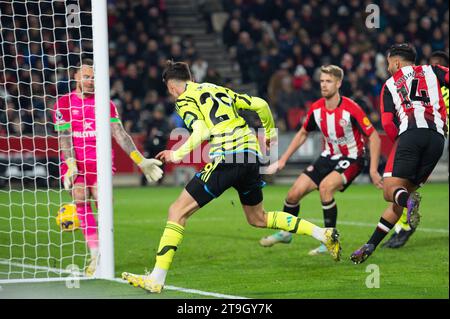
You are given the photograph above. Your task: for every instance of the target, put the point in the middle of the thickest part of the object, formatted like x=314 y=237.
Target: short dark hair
x=176 y=71
x=441 y=55
x=403 y=50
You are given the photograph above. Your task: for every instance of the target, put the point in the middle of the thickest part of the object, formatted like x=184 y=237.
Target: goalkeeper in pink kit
x=74 y=119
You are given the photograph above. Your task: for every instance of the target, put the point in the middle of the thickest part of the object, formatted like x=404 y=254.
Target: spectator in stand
x=156 y=137
x=287 y=98
x=277 y=34
x=247 y=56
x=308 y=94
x=199 y=69
x=213 y=76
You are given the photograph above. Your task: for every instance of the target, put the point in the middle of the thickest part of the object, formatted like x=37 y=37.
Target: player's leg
x=328 y=186
x=198 y=192
x=429 y=159
x=302 y=186
x=251 y=197
x=393 y=212
x=401 y=234
x=81 y=195
x=89 y=188
x=411 y=161
x=256 y=216
x=398 y=188
x=344 y=172
x=179 y=212
x=88 y=224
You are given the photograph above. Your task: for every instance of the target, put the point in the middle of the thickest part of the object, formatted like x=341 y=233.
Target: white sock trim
x=383 y=227
x=398 y=194
x=330 y=205
x=158 y=275
x=290 y=205
x=319 y=234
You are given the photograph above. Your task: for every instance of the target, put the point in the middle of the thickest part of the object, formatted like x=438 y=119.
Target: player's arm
x=388 y=116
x=194 y=121
x=66 y=147
x=375 y=151
x=63 y=127
x=150 y=167
x=261 y=107
x=200 y=133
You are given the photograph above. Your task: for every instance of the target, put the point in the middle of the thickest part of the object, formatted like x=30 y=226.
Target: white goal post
x=101 y=65
x=41 y=43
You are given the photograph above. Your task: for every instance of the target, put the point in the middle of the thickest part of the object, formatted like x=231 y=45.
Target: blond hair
x=334 y=70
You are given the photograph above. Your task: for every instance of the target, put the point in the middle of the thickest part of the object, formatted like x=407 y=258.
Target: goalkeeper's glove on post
x=150 y=167
x=71 y=173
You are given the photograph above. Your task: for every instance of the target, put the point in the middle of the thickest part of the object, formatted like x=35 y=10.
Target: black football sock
x=292 y=209
x=329 y=213
x=380 y=232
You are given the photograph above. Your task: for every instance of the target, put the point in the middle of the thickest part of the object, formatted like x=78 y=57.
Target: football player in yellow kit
x=211 y=112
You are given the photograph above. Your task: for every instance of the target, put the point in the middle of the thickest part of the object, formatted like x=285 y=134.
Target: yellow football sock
x=171 y=238
x=290 y=223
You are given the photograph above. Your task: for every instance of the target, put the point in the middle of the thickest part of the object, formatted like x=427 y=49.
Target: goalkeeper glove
x=71 y=173
x=150 y=167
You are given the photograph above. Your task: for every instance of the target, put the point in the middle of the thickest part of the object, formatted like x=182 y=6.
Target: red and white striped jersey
x=342 y=128
x=413 y=95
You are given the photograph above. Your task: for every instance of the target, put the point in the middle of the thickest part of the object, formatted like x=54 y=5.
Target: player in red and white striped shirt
x=343 y=125
x=402 y=230
x=414 y=116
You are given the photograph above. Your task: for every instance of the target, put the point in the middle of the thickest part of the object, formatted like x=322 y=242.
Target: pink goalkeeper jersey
x=72 y=112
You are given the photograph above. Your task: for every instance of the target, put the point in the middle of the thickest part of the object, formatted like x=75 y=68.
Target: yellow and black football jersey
x=218 y=107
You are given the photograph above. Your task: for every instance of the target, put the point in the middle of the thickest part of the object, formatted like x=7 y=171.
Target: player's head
x=331 y=77
x=439 y=57
x=175 y=76
x=84 y=77
x=400 y=55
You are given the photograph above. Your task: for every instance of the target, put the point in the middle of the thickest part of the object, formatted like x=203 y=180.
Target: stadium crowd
x=280 y=45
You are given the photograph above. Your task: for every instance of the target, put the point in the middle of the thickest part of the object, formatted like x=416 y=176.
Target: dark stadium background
x=270 y=48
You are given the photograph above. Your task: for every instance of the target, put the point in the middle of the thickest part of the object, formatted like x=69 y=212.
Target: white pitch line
x=314 y=220
x=348 y=223
x=119 y=280
x=192 y=291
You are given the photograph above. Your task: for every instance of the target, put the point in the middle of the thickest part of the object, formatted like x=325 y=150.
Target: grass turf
x=220 y=251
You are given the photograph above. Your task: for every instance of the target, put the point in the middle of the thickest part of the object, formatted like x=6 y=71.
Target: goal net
x=42 y=42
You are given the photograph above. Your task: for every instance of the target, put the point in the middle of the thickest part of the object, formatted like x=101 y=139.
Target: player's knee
x=325 y=188
x=293 y=196
x=387 y=194
x=173 y=210
x=177 y=213
x=79 y=194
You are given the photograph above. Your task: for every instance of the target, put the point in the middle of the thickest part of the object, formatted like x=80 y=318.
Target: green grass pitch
x=220 y=252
